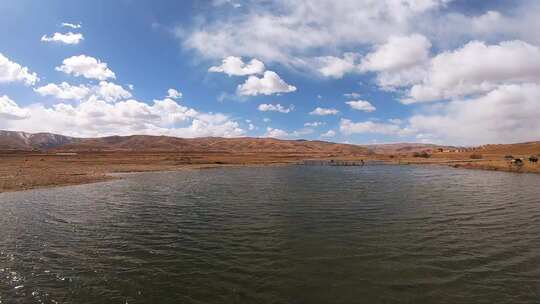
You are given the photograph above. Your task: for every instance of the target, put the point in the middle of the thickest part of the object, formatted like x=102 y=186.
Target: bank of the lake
x=24 y=171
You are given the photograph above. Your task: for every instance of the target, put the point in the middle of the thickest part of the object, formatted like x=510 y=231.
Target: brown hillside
x=144 y=143
x=139 y=143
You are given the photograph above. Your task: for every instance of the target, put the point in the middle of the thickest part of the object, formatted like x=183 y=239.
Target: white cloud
x=395 y=80
x=349 y=127
x=336 y=67
x=506 y=114
x=276 y=133
x=398 y=53
x=361 y=105
x=280 y=133
x=11 y=72
x=112 y=92
x=352 y=95
x=234 y=4
x=314 y=124
x=324 y=111
x=329 y=133
x=96 y=117
x=174 y=94
x=487 y=22
x=269 y=84
x=68 y=38
x=86 y=66
x=520 y=20
x=234 y=66
x=510 y=113
x=71 y=25
x=477 y=68
x=266 y=119
x=285 y=31
x=313 y=35
x=275 y=108
x=9 y=110
x=64 y=91
x=109 y=91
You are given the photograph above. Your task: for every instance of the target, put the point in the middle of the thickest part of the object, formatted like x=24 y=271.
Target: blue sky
x=441 y=71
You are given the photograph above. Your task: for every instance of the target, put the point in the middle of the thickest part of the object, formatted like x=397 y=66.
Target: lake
x=298 y=234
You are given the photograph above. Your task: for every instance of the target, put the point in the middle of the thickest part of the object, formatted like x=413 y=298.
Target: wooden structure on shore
x=331 y=162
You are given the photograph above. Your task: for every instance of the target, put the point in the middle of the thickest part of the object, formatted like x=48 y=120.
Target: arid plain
x=30 y=161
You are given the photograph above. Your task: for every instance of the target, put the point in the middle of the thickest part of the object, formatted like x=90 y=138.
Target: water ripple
x=377 y=234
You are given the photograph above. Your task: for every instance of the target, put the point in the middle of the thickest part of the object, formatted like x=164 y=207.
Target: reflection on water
x=376 y=234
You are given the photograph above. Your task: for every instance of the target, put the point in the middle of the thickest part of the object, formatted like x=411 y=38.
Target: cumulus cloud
x=395 y=61
x=288 y=31
x=71 y=25
x=264 y=107
x=323 y=111
x=112 y=92
x=506 y=114
x=276 y=133
x=284 y=31
x=477 y=68
x=10 y=110
x=398 y=53
x=521 y=20
x=400 y=79
x=269 y=84
x=13 y=72
x=68 y=38
x=486 y=22
x=86 y=66
x=361 y=105
x=510 y=113
x=235 y=4
x=336 y=67
x=234 y=66
x=352 y=95
x=348 y=127
x=97 y=117
x=314 y=124
x=174 y=94
x=329 y=133
x=64 y=91
x=109 y=91
x=282 y=134
x=302 y=132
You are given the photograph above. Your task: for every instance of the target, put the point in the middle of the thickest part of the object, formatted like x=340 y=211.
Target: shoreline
x=41 y=171
x=28 y=171
x=486 y=165
x=106 y=177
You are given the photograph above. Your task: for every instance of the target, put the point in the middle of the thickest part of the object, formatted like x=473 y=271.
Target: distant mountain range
x=13 y=140
x=21 y=141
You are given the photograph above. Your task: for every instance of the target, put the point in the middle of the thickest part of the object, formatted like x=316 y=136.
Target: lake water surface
x=374 y=234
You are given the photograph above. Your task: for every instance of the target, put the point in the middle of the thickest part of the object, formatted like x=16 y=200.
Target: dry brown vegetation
x=67 y=161
x=28 y=170
x=492 y=158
